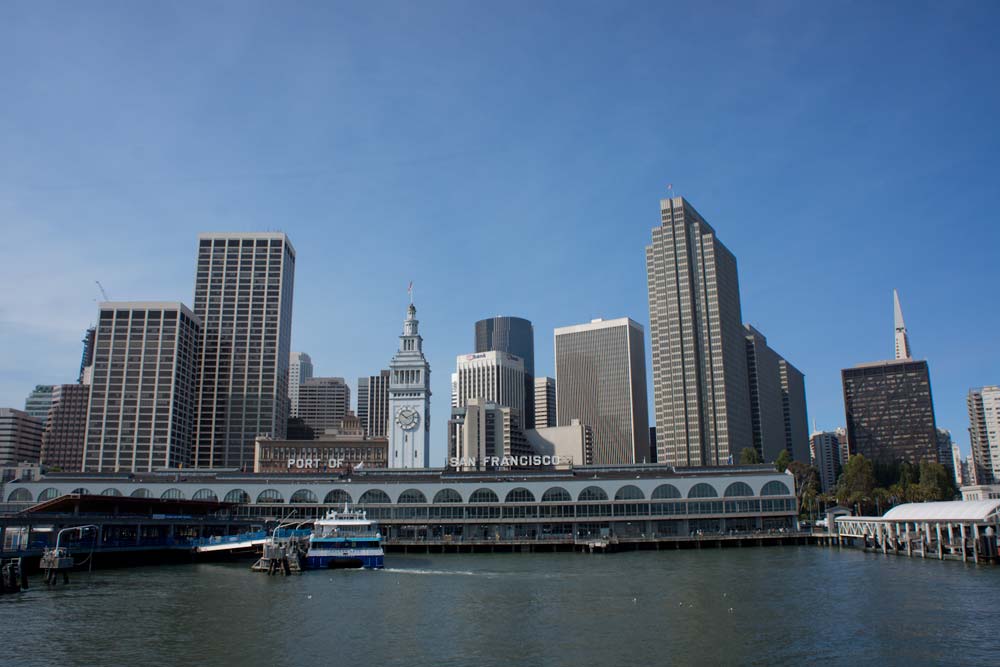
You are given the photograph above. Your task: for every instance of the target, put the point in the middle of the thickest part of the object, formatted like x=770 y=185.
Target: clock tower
x=409 y=399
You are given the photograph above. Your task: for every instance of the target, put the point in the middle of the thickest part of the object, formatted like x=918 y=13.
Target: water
x=766 y=606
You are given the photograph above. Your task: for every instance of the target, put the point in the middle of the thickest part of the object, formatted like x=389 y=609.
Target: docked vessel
x=344 y=539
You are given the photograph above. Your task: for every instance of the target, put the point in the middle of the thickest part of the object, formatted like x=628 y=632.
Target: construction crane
x=103 y=293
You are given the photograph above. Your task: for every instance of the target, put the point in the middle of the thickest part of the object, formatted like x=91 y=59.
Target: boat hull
x=370 y=562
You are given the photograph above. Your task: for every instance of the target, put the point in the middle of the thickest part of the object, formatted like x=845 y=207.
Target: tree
x=806 y=484
x=784 y=458
x=749 y=456
x=936 y=483
x=857 y=482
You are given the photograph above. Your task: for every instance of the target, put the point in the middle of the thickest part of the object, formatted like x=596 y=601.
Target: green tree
x=749 y=456
x=936 y=482
x=806 y=485
x=856 y=483
x=784 y=458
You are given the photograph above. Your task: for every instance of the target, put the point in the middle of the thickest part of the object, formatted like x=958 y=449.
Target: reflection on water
x=779 y=605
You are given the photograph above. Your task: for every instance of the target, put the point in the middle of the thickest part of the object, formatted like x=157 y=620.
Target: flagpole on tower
x=409 y=290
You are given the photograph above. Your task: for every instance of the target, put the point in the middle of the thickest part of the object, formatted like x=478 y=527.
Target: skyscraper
x=517 y=336
x=324 y=402
x=20 y=437
x=141 y=411
x=793 y=410
x=497 y=377
x=87 y=358
x=409 y=399
x=300 y=369
x=66 y=428
x=700 y=395
x=482 y=434
x=825 y=456
x=373 y=404
x=39 y=401
x=601 y=381
x=545 y=402
x=889 y=406
x=984 y=434
x=766 y=410
x=944 y=449
x=243 y=297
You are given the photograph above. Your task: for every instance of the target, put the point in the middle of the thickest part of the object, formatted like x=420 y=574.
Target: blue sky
x=509 y=159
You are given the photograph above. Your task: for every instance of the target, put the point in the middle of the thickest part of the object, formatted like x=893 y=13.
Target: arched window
x=775 y=488
x=172 y=494
x=702 y=490
x=81 y=491
x=238 y=496
x=19 y=496
x=666 y=491
x=338 y=497
x=48 y=494
x=141 y=493
x=738 y=490
x=411 y=496
x=557 y=494
x=111 y=491
x=592 y=493
x=519 y=495
x=447 y=496
x=270 y=496
x=483 y=496
x=374 y=497
x=304 y=496
x=629 y=492
x=205 y=494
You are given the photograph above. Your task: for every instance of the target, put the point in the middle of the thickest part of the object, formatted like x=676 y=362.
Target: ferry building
x=434 y=506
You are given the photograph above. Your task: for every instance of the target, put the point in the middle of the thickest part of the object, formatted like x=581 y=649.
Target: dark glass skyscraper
x=516 y=336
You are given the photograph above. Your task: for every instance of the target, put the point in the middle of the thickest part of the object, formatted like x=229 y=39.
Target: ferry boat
x=345 y=539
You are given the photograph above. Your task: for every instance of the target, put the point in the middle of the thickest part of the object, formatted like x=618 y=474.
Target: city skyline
x=185 y=167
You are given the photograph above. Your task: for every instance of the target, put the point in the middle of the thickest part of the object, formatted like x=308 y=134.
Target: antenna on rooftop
x=103 y=293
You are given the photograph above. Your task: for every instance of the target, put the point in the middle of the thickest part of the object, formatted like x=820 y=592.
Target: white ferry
x=345 y=539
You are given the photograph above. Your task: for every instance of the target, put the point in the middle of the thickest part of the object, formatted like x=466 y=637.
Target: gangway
x=229 y=542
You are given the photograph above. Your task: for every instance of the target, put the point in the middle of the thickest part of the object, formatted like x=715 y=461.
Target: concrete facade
x=300 y=369
x=702 y=408
x=20 y=437
x=601 y=381
x=984 y=433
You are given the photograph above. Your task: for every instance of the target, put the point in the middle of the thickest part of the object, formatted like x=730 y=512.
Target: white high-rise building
x=545 y=402
x=902 y=339
x=497 y=377
x=824 y=454
x=984 y=433
x=409 y=399
x=300 y=369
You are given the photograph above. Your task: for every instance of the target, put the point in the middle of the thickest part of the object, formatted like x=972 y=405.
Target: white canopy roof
x=957 y=510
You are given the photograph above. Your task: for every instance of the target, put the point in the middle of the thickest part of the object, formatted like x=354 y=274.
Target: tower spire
x=902 y=340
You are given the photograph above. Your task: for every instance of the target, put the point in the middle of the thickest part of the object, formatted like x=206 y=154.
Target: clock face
x=407 y=418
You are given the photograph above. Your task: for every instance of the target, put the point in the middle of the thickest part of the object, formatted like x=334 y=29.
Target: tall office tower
x=766 y=413
x=454 y=390
x=545 y=402
x=141 y=411
x=243 y=297
x=409 y=399
x=493 y=376
x=889 y=406
x=483 y=435
x=373 y=404
x=700 y=397
x=39 y=401
x=902 y=339
x=601 y=380
x=66 y=428
x=984 y=434
x=793 y=410
x=87 y=358
x=20 y=437
x=890 y=411
x=824 y=455
x=300 y=369
x=517 y=336
x=843 y=444
x=944 y=449
x=323 y=403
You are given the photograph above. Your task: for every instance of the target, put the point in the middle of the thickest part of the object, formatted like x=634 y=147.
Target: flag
x=409 y=291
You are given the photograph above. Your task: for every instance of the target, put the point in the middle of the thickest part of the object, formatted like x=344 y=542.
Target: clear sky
x=509 y=159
